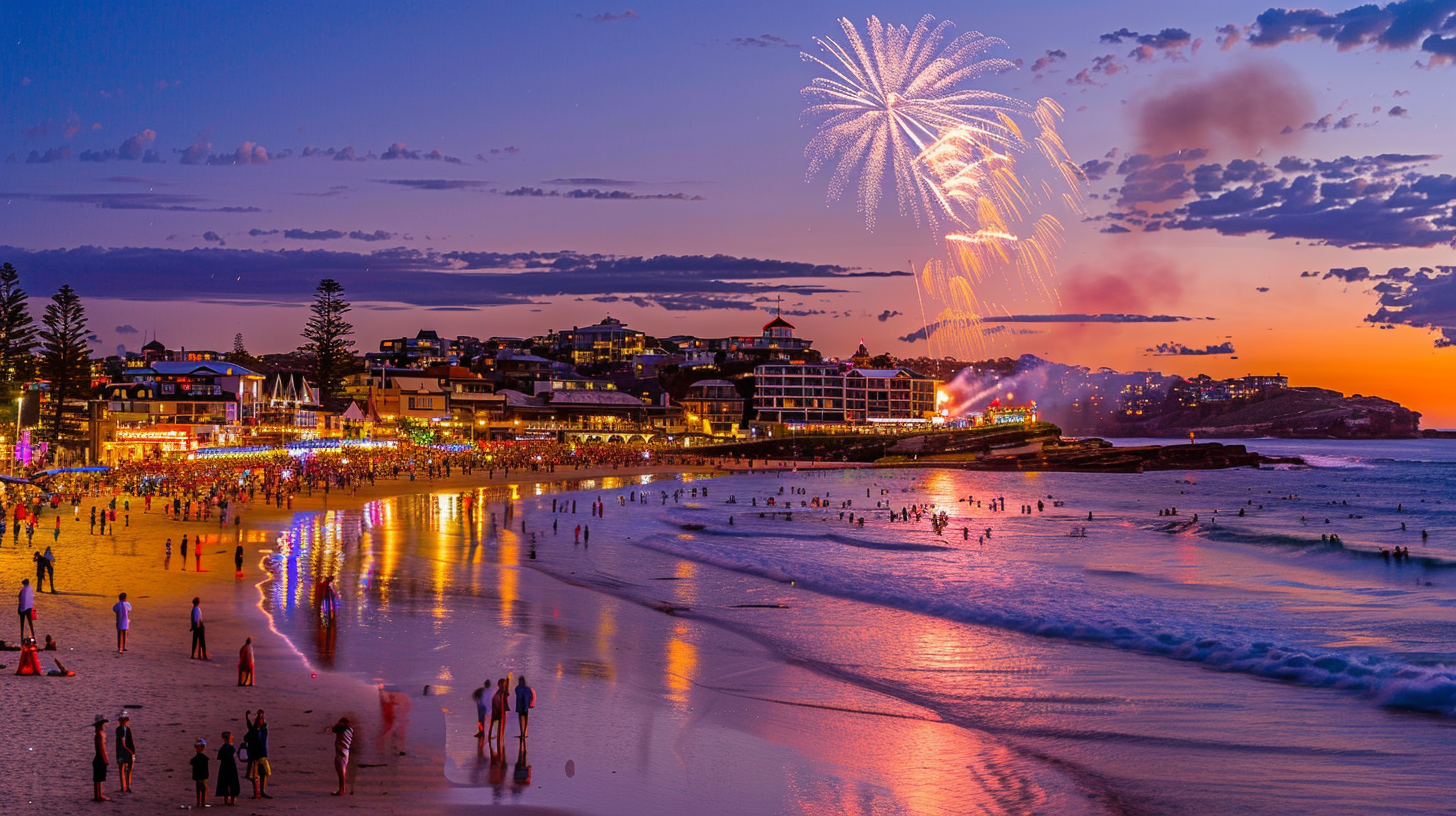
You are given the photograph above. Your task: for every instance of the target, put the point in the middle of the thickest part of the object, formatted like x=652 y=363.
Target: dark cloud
x=313 y=235
x=399 y=150
x=135 y=147
x=1261 y=289
x=1424 y=298
x=1087 y=318
x=54 y=154
x=682 y=303
x=434 y=279
x=887 y=314
x=1096 y=169
x=377 y=235
x=1238 y=111
x=762 y=41
x=1169 y=42
x=1180 y=350
x=1102 y=67
x=436 y=184
x=1401 y=25
x=1229 y=35
x=592 y=182
x=126 y=328
x=1329 y=122
x=597 y=195
x=133 y=201
x=255 y=232
x=1372 y=201
x=214 y=238
x=609 y=16
x=1398 y=112
x=1048 y=59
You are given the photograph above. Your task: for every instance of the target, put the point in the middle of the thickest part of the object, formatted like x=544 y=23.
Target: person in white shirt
x=123 y=620
x=199 y=634
x=27 y=608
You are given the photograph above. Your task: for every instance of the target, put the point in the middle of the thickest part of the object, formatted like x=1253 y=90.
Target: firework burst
x=894 y=107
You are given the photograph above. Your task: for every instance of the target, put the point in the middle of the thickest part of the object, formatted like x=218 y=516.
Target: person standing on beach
x=40 y=571
x=50 y=568
x=100 y=760
x=238 y=559
x=525 y=701
x=228 y=786
x=480 y=705
x=123 y=621
x=27 y=608
x=199 y=632
x=343 y=741
x=125 y=750
x=256 y=744
x=245 y=663
x=199 y=772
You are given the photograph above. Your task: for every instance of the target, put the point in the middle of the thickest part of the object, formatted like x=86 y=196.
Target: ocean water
x=1125 y=662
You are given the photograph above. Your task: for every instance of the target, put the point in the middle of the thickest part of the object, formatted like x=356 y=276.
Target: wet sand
x=173 y=700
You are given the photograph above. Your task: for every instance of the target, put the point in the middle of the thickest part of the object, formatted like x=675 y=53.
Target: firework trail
x=893 y=107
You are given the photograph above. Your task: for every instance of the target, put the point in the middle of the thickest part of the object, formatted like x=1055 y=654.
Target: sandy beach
x=174 y=700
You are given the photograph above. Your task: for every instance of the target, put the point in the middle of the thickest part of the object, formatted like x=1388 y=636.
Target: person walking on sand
x=100 y=760
x=343 y=741
x=500 y=703
x=123 y=621
x=27 y=608
x=245 y=663
x=525 y=701
x=125 y=750
x=199 y=772
x=480 y=708
x=199 y=632
x=228 y=785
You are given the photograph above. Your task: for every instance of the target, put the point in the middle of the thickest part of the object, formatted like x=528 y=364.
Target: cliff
x=1293 y=412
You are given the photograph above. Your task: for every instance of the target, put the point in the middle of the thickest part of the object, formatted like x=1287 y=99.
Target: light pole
x=19 y=409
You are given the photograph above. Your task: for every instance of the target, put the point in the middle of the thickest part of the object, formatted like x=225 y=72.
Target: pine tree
x=17 y=329
x=328 y=334
x=239 y=354
x=66 y=363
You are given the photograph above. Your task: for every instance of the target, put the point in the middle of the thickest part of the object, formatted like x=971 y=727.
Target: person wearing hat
x=125 y=750
x=199 y=772
x=101 y=760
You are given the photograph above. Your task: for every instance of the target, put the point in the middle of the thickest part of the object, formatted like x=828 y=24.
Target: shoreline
x=174 y=700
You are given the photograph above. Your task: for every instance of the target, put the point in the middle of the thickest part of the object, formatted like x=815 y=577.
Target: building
x=606 y=343
x=892 y=395
x=713 y=407
x=170 y=407
x=799 y=393
x=427 y=348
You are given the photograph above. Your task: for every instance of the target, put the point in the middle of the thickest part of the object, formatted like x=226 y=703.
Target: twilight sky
x=1269 y=190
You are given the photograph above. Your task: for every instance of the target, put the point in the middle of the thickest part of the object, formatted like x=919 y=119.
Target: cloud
x=212 y=237
x=1096 y=169
x=54 y=154
x=1329 y=122
x=377 y=235
x=399 y=150
x=887 y=314
x=135 y=147
x=1048 y=59
x=132 y=201
x=1237 y=111
x=1168 y=43
x=609 y=17
x=1087 y=318
x=1397 y=26
x=1261 y=289
x=197 y=153
x=598 y=195
x=313 y=235
x=1372 y=201
x=434 y=279
x=436 y=184
x=1180 y=350
x=762 y=41
x=1229 y=35
x=1398 y=112
x=592 y=182
x=126 y=328
x=1424 y=298
x=1103 y=66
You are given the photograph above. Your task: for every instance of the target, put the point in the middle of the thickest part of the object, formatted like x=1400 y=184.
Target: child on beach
x=343 y=741
x=100 y=760
x=125 y=750
x=228 y=785
x=123 y=621
x=199 y=772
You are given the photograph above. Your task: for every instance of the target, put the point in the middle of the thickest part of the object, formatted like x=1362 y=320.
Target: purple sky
x=483 y=171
